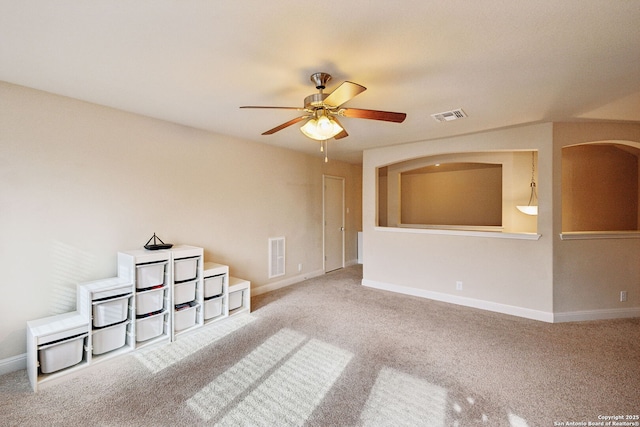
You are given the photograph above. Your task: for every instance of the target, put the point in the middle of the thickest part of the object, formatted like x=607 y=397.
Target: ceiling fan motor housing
x=315 y=101
x=320 y=80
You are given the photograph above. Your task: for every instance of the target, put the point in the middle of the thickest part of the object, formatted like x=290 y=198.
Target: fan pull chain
x=324 y=148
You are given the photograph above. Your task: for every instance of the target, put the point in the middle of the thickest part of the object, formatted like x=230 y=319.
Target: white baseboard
x=467 y=302
x=611 y=313
x=14 y=363
x=284 y=283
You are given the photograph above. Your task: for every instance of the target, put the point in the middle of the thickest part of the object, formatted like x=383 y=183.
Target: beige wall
x=79 y=182
x=501 y=272
x=470 y=196
x=589 y=274
x=550 y=278
x=382 y=197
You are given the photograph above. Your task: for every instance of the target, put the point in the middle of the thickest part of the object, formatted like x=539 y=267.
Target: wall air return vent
x=448 y=116
x=276 y=257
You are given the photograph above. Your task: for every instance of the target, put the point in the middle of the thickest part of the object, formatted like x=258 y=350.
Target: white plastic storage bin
x=149 y=275
x=184 y=292
x=212 y=307
x=213 y=285
x=149 y=301
x=109 y=338
x=109 y=312
x=149 y=327
x=184 y=318
x=235 y=299
x=56 y=356
x=185 y=269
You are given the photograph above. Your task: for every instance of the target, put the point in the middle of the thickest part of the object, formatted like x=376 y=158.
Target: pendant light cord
x=534 y=194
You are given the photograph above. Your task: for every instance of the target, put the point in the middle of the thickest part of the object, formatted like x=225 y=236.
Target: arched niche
x=600 y=187
x=466 y=191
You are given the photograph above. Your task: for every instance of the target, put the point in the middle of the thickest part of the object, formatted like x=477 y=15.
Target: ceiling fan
x=321 y=110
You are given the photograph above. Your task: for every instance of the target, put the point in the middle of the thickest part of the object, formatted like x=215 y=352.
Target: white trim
x=14 y=363
x=268 y=287
x=492 y=228
x=467 y=302
x=468 y=233
x=592 y=235
x=603 y=314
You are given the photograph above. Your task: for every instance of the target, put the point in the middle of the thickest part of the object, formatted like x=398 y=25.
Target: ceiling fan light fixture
x=321 y=128
x=321 y=111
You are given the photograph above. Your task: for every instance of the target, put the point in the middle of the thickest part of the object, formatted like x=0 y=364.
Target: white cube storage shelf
x=216 y=279
x=178 y=272
x=108 y=303
x=239 y=296
x=56 y=346
x=187 y=263
x=137 y=308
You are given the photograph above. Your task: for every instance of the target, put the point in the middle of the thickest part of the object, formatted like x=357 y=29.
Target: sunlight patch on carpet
x=290 y=395
x=218 y=394
x=516 y=421
x=401 y=399
x=157 y=358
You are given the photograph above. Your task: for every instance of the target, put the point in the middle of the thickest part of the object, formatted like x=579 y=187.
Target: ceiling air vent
x=447 y=116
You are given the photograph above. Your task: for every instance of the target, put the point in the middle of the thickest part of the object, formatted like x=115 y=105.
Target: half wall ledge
x=461 y=232
x=591 y=235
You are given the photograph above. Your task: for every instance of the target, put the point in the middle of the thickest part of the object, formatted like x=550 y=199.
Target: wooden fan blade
x=387 y=116
x=284 y=125
x=277 y=108
x=342 y=134
x=343 y=93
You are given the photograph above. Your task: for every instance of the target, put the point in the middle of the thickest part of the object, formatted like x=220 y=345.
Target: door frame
x=324 y=208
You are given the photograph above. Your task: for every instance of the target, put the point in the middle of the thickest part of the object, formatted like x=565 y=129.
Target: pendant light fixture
x=532 y=207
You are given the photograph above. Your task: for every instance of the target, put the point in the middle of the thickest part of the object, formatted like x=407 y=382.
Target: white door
x=333 y=205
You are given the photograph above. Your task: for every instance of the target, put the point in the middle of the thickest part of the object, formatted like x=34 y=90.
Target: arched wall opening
x=460 y=191
x=600 y=187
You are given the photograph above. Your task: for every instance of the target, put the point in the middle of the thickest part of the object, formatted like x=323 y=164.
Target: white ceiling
x=504 y=62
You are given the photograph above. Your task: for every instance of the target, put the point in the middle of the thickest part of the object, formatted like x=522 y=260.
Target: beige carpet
x=329 y=352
